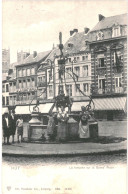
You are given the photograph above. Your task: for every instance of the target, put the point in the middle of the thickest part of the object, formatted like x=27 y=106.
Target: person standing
x=19 y=125
x=83 y=124
x=62 y=130
x=13 y=124
x=6 y=127
x=51 y=127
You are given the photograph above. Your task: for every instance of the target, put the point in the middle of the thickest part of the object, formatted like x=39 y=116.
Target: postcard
x=64 y=97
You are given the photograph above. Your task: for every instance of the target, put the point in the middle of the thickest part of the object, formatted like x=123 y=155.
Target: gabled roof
x=30 y=59
x=108 y=22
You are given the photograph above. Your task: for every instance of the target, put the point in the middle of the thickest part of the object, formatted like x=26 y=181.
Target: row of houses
x=98 y=57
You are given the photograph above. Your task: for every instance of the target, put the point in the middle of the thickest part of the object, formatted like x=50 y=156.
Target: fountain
x=68 y=123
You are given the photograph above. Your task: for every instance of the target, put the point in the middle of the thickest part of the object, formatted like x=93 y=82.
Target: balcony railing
x=101 y=71
x=25 y=102
x=118 y=90
x=41 y=84
x=12 y=103
x=118 y=68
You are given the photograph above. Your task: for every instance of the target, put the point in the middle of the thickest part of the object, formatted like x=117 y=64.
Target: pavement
x=52 y=149
x=112 y=139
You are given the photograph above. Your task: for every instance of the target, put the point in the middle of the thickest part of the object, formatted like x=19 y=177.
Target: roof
x=108 y=22
x=40 y=56
x=77 y=43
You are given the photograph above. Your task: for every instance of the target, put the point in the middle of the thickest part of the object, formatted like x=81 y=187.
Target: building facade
x=5 y=60
x=108 y=44
x=26 y=78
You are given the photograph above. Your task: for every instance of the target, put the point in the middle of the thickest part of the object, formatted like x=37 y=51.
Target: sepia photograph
x=64 y=97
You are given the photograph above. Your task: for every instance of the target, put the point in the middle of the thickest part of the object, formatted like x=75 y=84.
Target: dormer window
x=116 y=31
x=100 y=36
x=70 y=45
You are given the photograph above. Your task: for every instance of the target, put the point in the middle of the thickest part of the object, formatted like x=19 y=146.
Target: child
x=19 y=125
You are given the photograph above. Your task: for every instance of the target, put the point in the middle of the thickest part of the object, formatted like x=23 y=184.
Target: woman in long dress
x=51 y=127
x=83 y=124
x=62 y=131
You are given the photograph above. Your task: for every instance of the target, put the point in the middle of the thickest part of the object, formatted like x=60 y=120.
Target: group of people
x=61 y=133
x=12 y=125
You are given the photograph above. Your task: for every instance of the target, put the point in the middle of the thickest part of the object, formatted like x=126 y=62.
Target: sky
x=34 y=25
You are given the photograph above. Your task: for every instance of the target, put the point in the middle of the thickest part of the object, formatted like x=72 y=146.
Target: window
x=10 y=87
x=60 y=89
x=14 y=99
x=33 y=94
x=117 y=58
x=20 y=84
x=69 y=90
x=24 y=97
x=28 y=72
x=49 y=75
x=3 y=88
x=24 y=84
x=116 y=31
x=74 y=59
x=3 y=100
x=39 y=79
x=20 y=73
x=24 y=72
x=101 y=86
x=77 y=86
x=100 y=35
x=85 y=87
x=101 y=62
x=78 y=58
x=77 y=71
x=7 y=88
x=14 y=86
x=28 y=83
x=43 y=78
x=33 y=71
x=69 y=59
x=68 y=70
x=50 y=91
x=83 y=58
x=33 y=82
x=118 y=82
x=7 y=100
x=70 y=45
x=85 y=70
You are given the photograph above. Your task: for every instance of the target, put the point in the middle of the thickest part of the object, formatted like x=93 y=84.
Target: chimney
x=71 y=32
x=86 y=30
x=34 y=54
x=101 y=17
x=75 y=30
x=27 y=54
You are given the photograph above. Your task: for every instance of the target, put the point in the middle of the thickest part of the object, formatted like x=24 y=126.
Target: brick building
x=108 y=44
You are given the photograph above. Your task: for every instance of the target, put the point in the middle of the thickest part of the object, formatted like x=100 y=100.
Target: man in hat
x=6 y=126
x=13 y=124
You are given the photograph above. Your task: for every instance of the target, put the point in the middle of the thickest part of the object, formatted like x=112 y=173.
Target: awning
x=24 y=109
x=44 y=108
x=115 y=103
